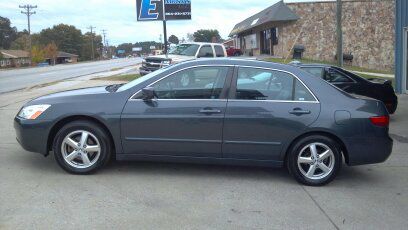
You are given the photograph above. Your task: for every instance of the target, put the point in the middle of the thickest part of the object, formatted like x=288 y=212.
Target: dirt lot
x=36 y=194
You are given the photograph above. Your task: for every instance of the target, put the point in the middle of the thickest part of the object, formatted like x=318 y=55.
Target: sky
x=118 y=17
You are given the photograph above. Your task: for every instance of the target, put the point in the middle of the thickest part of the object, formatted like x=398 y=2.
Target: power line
x=92 y=41
x=104 y=43
x=28 y=11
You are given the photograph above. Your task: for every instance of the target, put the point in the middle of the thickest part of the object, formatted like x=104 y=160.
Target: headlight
x=33 y=111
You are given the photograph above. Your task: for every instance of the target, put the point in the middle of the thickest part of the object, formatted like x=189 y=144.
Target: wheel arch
x=59 y=124
x=333 y=136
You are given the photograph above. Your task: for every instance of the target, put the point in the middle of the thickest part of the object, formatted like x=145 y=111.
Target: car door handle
x=209 y=111
x=299 y=111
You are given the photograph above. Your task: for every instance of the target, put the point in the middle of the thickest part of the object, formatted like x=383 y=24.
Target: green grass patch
x=116 y=69
x=126 y=77
x=308 y=61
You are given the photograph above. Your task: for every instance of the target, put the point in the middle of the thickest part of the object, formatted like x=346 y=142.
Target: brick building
x=368 y=31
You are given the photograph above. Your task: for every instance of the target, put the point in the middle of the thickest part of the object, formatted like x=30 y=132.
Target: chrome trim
x=171 y=140
x=278 y=101
x=252 y=142
x=256 y=67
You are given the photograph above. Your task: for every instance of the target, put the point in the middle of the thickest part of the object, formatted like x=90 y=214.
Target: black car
x=221 y=111
x=351 y=83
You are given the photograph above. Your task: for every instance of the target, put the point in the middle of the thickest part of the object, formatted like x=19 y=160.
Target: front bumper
x=146 y=70
x=368 y=150
x=32 y=134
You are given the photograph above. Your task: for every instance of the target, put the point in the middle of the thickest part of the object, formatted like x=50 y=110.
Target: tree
x=7 y=33
x=86 y=51
x=207 y=36
x=21 y=43
x=174 y=39
x=51 y=52
x=37 y=54
x=190 y=37
x=66 y=37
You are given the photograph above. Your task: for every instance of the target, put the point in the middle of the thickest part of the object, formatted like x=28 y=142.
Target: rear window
x=219 y=51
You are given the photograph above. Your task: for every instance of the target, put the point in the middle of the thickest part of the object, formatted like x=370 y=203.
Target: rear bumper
x=368 y=150
x=32 y=134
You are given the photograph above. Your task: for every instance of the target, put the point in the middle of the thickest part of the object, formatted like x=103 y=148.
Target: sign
x=137 y=49
x=158 y=10
x=121 y=51
x=152 y=47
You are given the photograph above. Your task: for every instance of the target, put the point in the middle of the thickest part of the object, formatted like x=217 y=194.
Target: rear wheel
x=314 y=160
x=82 y=147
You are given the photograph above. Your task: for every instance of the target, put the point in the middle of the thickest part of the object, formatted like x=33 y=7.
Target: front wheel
x=82 y=147
x=314 y=160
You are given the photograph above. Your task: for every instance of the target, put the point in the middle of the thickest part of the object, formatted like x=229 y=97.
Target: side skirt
x=199 y=160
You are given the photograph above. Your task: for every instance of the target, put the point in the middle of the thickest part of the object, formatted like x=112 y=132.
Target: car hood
x=97 y=91
x=172 y=57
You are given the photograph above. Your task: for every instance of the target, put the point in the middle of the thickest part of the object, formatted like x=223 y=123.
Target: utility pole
x=92 y=41
x=339 y=34
x=104 y=43
x=165 y=36
x=28 y=11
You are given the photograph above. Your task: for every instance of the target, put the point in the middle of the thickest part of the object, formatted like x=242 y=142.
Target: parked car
x=221 y=111
x=232 y=51
x=182 y=52
x=352 y=83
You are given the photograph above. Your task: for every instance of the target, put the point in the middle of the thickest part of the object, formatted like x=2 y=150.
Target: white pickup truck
x=182 y=52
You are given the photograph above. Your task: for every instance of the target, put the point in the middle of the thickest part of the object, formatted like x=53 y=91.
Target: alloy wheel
x=316 y=161
x=81 y=149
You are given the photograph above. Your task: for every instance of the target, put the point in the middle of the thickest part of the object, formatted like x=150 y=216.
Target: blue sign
x=155 y=10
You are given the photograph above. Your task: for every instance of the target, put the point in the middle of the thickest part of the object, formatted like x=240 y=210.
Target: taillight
x=380 y=121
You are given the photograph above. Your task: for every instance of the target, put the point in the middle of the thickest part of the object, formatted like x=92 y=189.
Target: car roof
x=201 y=43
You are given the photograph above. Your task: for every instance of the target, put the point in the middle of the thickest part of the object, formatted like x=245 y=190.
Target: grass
x=351 y=68
x=116 y=69
x=125 y=78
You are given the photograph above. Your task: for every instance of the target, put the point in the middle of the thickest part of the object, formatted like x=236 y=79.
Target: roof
x=9 y=54
x=65 y=55
x=278 y=12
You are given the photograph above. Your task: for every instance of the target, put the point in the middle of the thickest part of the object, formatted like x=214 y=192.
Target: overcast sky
x=118 y=17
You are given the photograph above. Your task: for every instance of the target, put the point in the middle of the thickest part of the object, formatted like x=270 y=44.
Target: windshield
x=185 y=49
x=141 y=79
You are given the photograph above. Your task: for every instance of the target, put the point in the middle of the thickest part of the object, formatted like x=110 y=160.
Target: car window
x=219 y=51
x=260 y=84
x=334 y=76
x=194 y=83
x=316 y=71
x=206 y=51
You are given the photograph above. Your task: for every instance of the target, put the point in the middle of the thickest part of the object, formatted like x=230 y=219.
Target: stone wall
x=368 y=32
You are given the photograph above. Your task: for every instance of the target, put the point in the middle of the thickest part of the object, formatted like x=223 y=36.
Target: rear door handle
x=209 y=111
x=299 y=111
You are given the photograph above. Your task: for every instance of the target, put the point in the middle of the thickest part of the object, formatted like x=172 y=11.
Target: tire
x=310 y=170
x=83 y=159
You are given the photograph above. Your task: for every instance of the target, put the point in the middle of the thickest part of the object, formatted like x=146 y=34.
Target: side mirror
x=148 y=93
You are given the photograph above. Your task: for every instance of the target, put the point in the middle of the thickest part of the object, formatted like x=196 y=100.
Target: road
x=36 y=194
x=15 y=79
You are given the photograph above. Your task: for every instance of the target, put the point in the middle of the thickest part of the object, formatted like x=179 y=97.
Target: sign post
x=163 y=10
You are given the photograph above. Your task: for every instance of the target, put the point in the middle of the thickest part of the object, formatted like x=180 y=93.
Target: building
x=14 y=58
x=401 y=46
x=63 y=57
x=368 y=31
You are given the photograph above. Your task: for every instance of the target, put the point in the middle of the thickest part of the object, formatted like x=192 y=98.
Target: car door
x=266 y=108
x=185 y=119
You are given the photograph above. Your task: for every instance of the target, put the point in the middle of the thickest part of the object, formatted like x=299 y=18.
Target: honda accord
x=212 y=111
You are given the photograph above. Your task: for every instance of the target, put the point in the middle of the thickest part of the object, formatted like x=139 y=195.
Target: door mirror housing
x=148 y=93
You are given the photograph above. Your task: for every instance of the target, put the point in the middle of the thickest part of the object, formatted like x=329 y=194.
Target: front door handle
x=299 y=111
x=210 y=111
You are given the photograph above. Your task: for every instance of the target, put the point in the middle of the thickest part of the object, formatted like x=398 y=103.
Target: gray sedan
x=217 y=111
